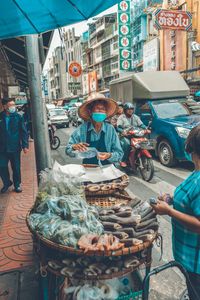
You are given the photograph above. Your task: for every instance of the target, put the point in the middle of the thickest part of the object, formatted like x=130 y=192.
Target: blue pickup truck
x=161 y=97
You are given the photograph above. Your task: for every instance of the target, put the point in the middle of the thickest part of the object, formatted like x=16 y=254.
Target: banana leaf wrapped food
x=65 y=219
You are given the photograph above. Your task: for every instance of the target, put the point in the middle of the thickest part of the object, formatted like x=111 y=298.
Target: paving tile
x=9 y=286
x=29 y=284
x=16 y=248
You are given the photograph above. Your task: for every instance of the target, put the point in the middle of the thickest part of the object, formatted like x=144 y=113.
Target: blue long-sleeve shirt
x=111 y=140
x=13 y=133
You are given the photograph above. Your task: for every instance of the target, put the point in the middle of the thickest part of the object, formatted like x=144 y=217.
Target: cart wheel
x=184 y=295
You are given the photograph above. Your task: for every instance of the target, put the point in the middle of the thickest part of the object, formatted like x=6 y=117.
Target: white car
x=58 y=117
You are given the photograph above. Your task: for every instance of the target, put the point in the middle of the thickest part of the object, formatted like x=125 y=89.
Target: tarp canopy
x=150 y=85
x=22 y=17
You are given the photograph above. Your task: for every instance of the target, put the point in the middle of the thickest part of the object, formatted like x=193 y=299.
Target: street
x=164 y=180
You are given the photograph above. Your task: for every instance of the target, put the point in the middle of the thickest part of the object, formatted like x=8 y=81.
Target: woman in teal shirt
x=185 y=215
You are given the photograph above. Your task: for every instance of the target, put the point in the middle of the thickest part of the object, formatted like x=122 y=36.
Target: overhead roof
x=22 y=17
x=14 y=53
x=156 y=85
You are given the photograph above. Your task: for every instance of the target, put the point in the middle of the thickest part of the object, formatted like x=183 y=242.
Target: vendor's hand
x=162 y=208
x=25 y=150
x=164 y=197
x=103 y=155
x=125 y=133
x=81 y=147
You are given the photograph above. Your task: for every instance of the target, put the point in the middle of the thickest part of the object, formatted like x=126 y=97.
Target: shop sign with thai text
x=74 y=86
x=172 y=19
x=124 y=28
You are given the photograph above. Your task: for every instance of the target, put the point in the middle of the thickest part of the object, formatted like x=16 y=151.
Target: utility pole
x=38 y=110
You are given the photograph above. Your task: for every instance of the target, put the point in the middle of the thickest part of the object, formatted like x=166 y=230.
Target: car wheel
x=166 y=154
x=67 y=125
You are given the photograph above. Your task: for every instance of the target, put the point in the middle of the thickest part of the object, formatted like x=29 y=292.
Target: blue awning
x=22 y=17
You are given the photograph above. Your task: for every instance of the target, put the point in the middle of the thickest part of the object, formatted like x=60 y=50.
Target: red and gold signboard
x=75 y=69
x=172 y=19
x=92 y=82
x=173 y=50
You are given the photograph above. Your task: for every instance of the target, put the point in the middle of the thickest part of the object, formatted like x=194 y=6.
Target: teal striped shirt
x=186 y=244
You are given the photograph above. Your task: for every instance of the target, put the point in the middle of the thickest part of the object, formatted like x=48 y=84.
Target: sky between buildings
x=79 y=29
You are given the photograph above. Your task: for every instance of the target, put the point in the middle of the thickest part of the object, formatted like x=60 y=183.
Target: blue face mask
x=99 y=117
x=12 y=109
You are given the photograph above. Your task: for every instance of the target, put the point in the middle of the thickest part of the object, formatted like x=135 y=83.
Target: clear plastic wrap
x=61 y=212
x=56 y=183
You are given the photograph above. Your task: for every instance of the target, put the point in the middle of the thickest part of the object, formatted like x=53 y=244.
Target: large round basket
x=65 y=249
x=106 y=187
x=118 y=274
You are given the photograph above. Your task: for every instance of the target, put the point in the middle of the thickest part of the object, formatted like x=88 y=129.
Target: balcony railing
x=106 y=54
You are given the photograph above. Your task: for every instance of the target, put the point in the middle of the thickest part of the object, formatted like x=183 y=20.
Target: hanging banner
x=124 y=29
x=92 y=82
x=172 y=19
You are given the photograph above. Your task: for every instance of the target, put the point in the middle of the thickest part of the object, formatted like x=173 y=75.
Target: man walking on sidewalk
x=13 y=138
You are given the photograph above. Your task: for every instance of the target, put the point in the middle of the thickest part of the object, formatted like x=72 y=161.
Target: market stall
x=90 y=235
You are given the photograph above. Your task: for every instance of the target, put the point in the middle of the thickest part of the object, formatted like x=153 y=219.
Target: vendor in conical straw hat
x=95 y=132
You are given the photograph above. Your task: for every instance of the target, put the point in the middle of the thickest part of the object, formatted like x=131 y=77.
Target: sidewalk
x=17 y=261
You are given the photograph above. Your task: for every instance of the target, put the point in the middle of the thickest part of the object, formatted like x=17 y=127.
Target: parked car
x=58 y=117
x=162 y=98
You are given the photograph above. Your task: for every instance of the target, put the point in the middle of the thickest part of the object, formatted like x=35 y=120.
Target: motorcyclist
x=120 y=111
x=128 y=120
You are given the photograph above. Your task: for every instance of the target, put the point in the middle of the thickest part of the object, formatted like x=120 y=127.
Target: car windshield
x=170 y=109
x=57 y=112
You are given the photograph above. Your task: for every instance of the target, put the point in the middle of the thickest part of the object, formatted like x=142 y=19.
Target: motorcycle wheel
x=147 y=171
x=55 y=143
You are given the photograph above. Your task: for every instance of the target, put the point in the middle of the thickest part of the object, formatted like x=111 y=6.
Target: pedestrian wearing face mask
x=13 y=138
x=95 y=132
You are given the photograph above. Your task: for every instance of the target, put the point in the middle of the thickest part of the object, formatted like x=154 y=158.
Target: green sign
x=74 y=86
x=124 y=18
x=124 y=28
x=125 y=53
x=125 y=64
x=124 y=6
x=125 y=42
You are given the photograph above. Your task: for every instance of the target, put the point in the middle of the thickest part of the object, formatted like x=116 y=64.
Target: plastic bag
x=88 y=292
x=57 y=183
x=91 y=152
x=61 y=212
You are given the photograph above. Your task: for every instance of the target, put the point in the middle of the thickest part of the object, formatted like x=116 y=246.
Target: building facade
x=142 y=29
x=184 y=45
x=192 y=74
x=57 y=75
x=102 y=51
x=73 y=54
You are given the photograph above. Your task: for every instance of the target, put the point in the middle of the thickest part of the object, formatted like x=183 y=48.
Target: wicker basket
x=65 y=249
x=100 y=277
x=107 y=187
x=121 y=198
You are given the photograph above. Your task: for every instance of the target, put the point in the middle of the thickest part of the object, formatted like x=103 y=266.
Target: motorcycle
x=77 y=122
x=54 y=140
x=139 y=157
